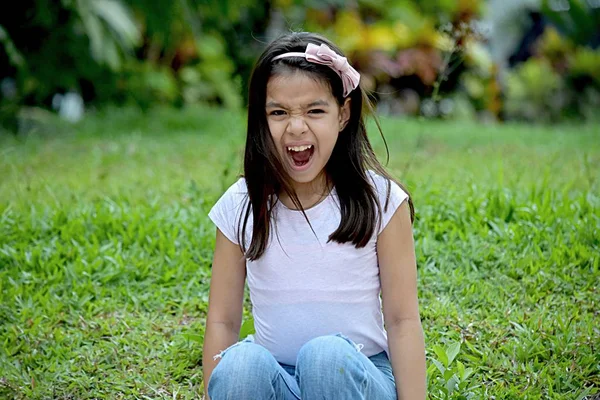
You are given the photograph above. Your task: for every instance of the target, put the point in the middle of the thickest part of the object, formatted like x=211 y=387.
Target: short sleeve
x=396 y=197
x=226 y=212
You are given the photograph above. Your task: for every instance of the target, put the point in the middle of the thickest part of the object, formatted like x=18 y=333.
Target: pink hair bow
x=324 y=55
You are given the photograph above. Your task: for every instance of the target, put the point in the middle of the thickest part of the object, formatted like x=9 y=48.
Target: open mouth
x=300 y=155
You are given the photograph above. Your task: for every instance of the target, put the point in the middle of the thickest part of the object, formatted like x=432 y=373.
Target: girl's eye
x=316 y=111
x=277 y=113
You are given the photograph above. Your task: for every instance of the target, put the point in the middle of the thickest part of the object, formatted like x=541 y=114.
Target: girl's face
x=305 y=121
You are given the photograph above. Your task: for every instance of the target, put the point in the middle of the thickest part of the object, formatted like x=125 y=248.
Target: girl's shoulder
x=378 y=180
x=386 y=187
x=227 y=211
x=237 y=190
x=235 y=196
x=389 y=194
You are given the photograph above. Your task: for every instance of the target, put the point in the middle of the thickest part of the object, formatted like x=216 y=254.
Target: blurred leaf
x=14 y=56
x=585 y=62
x=467 y=373
x=449 y=373
x=452 y=351
x=441 y=353
x=439 y=366
x=194 y=337
x=247 y=328
x=110 y=28
x=461 y=368
x=451 y=384
x=110 y=55
x=119 y=19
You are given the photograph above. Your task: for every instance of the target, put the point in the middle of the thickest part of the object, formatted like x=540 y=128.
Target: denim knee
x=327 y=347
x=241 y=373
x=329 y=362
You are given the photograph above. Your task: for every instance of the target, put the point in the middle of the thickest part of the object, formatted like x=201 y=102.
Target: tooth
x=299 y=148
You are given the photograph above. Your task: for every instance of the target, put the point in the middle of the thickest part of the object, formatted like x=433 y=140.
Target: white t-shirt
x=304 y=287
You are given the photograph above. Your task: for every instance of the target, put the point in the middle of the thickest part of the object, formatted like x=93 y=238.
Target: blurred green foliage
x=562 y=78
x=141 y=52
x=415 y=57
x=535 y=90
x=578 y=19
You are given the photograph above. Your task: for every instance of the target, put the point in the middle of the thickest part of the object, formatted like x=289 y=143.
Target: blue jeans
x=328 y=367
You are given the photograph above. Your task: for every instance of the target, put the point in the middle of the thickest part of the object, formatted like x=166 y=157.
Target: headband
x=325 y=56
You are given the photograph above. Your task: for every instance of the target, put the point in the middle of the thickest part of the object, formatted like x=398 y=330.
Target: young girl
x=320 y=231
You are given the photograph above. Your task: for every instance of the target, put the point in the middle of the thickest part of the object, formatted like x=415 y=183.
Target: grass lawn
x=105 y=254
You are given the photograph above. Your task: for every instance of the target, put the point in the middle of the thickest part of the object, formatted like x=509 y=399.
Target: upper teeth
x=299 y=148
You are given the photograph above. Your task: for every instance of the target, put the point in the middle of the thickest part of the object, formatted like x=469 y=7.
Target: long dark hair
x=346 y=169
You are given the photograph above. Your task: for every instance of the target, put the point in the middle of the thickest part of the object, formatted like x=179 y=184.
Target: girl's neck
x=310 y=194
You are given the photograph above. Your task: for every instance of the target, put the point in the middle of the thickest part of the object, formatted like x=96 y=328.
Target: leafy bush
x=400 y=48
x=67 y=45
x=534 y=91
x=145 y=52
x=579 y=20
x=415 y=57
x=563 y=77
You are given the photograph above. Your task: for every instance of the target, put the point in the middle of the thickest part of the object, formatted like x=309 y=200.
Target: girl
x=320 y=231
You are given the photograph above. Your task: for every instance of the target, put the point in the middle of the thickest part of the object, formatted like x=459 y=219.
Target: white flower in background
x=8 y=88
x=70 y=106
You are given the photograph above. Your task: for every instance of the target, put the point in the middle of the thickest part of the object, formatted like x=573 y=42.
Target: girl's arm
x=398 y=274
x=225 y=303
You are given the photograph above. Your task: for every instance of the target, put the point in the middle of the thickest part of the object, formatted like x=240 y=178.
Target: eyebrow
x=274 y=104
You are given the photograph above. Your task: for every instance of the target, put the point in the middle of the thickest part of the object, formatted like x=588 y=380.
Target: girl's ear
x=345 y=114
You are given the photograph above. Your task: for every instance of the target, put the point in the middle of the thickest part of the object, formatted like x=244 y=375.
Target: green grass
x=105 y=253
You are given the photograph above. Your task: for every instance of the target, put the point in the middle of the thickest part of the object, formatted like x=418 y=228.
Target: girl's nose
x=297 y=126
